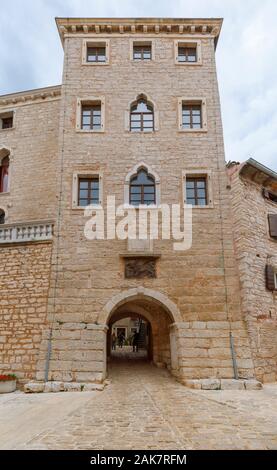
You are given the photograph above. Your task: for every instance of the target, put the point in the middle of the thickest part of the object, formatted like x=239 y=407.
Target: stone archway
x=162 y=314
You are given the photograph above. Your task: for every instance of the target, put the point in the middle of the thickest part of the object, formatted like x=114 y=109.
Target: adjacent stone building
x=137 y=117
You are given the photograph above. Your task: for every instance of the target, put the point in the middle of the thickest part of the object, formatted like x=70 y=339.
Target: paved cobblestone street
x=144 y=408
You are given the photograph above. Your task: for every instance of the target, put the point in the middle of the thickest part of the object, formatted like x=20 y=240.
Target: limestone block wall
x=24 y=284
x=203 y=281
x=33 y=145
x=255 y=249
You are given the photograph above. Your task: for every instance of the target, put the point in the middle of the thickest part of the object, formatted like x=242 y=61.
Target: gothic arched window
x=2 y=217
x=4 y=174
x=142 y=189
x=142 y=116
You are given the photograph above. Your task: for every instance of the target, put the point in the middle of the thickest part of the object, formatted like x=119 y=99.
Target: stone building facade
x=139 y=99
x=254 y=210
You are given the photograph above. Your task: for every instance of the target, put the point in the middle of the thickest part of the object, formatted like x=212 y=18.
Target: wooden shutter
x=272 y=222
x=270 y=277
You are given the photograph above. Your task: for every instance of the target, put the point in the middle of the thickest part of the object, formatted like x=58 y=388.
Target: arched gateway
x=160 y=313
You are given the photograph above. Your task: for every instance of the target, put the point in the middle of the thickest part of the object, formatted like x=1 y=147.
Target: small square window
x=188 y=53
x=6 y=120
x=142 y=51
x=95 y=52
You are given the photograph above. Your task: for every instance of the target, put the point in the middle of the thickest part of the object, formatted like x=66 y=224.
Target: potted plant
x=7 y=383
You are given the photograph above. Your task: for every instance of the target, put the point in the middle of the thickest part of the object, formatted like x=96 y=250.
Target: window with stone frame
x=142 y=116
x=4 y=174
x=96 y=52
x=2 y=216
x=142 y=189
x=88 y=191
x=191 y=116
x=142 y=51
x=6 y=120
x=271 y=277
x=91 y=116
x=187 y=53
x=272 y=223
x=196 y=191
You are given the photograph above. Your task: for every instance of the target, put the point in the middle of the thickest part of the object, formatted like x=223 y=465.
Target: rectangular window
x=187 y=54
x=91 y=117
x=96 y=53
x=88 y=191
x=6 y=120
x=196 y=191
x=272 y=222
x=191 y=116
x=269 y=195
x=142 y=52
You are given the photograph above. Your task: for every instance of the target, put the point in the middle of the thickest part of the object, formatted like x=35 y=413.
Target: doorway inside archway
x=140 y=330
x=130 y=338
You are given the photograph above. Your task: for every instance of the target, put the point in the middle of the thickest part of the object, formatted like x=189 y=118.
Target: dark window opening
x=6 y=120
x=196 y=191
x=88 y=191
x=2 y=217
x=4 y=175
x=269 y=195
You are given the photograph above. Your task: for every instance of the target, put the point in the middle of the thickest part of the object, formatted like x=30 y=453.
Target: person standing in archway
x=136 y=341
x=113 y=341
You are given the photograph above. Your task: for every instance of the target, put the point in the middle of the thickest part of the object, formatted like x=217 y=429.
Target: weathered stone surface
x=34 y=387
x=210 y=384
x=93 y=387
x=201 y=286
x=252 y=385
x=72 y=387
x=231 y=384
x=54 y=387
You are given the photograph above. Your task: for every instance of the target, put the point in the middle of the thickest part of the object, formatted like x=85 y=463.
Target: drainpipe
x=48 y=356
x=234 y=359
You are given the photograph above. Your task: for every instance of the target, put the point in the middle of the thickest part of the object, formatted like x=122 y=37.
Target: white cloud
x=31 y=56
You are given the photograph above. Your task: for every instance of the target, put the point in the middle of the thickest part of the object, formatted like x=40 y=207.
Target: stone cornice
x=170 y=26
x=23 y=97
x=258 y=173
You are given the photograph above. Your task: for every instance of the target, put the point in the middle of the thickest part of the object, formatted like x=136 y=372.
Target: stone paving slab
x=145 y=408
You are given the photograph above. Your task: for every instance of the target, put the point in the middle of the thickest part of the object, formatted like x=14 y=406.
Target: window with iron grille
x=142 y=189
x=142 y=117
x=142 y=52
x=191 y=116
x=6 y=120
x=96 y=53
x=196 y=191
x=91 y=117
x=88 y=191
x=187 y=54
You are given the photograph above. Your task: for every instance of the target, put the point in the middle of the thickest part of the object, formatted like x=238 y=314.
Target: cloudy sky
x=31 y=56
